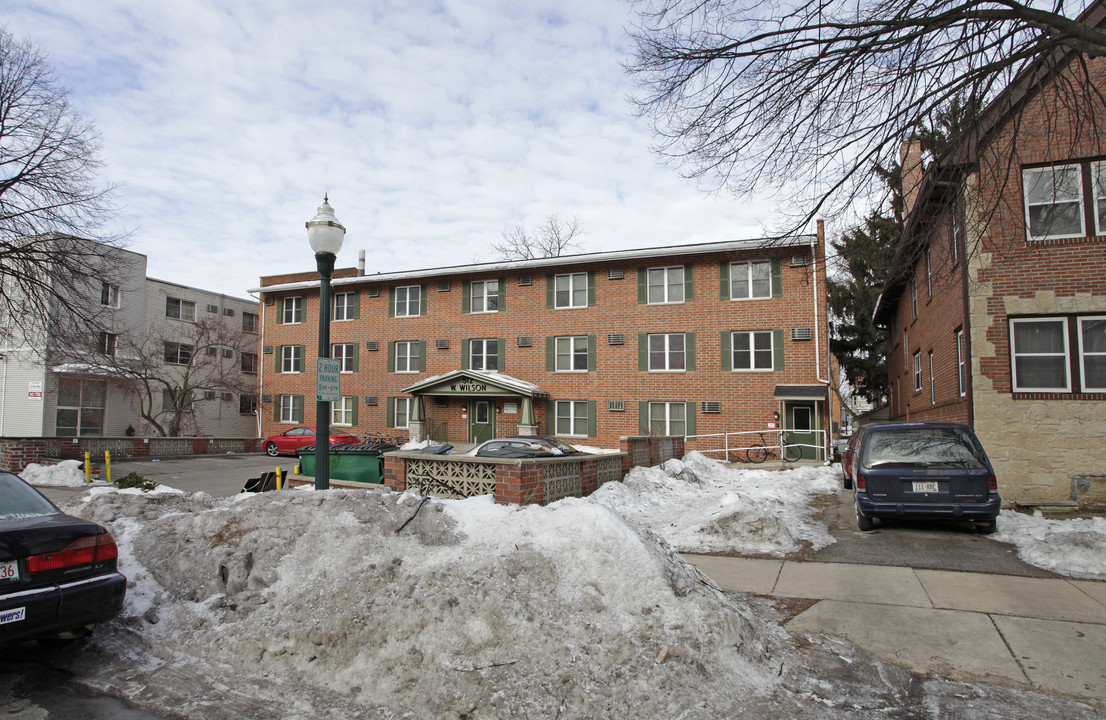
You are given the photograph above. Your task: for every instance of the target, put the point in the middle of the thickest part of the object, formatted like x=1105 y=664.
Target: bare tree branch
x=803 y=97
x=551 y=239
x=50 y=199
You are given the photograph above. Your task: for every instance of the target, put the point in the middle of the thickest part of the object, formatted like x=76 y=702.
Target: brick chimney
x=910 y=155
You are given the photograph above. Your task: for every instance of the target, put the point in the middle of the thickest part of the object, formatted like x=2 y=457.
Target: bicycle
x=760 y=453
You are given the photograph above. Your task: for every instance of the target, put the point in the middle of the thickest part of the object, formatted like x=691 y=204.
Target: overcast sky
x=433 y=125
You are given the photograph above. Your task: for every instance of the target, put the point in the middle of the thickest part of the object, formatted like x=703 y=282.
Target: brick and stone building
x=689 y=340
x=996 y=309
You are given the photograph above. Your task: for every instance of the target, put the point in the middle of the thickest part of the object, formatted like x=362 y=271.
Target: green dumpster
x=359 y=463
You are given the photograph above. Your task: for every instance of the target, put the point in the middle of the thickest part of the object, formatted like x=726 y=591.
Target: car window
x=949 y=447
x=17 y=499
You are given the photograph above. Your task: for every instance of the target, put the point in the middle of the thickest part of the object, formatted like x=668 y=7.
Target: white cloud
x=433 y=126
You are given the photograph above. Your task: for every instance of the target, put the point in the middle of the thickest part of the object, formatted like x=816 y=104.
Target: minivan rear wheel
x=987 y=528
x=863 y=522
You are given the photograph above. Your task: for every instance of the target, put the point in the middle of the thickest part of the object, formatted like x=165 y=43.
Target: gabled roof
x=474 y=382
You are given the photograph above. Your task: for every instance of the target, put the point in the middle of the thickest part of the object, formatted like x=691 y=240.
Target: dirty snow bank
x=67 y=473
x=1076 y=547
x=473 y=610
x=701 y=505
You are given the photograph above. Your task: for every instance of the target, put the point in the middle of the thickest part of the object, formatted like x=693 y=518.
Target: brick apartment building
x=996 y=310
x=687 y=340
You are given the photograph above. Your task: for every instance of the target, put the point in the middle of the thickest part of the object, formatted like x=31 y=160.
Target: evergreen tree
x=864 y=256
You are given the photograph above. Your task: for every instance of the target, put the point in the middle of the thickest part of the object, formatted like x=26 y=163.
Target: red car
x=289 y=441
x=847 y=458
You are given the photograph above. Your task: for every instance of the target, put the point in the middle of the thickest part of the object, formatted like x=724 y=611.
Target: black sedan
x=58 y=573
x=524 y=446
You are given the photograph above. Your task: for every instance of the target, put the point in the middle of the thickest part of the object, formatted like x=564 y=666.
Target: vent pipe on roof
x=360 y=263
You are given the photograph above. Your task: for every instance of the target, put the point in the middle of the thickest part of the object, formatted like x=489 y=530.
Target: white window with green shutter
x=482 y=296
x=666 y=352
x=570 y=291
x=754 y=280
x=346 y=355
x=574 y=418
x=667 y=418
x=407 y=356
x=664 y=285
x=399 y=412
x=572 y=354
x=289 y=409
x=753 y=350
x=344 y=411
x=291 y=310
x=407 y=301
x=483 y=354
x=290 y=359
x=346 y=306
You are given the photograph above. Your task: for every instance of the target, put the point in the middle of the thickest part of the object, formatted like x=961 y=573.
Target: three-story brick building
x=687 y=340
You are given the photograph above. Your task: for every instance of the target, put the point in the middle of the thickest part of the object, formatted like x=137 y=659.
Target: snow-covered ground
x=375 y=604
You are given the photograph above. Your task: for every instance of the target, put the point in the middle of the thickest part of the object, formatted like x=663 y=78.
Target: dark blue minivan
x=924 y=470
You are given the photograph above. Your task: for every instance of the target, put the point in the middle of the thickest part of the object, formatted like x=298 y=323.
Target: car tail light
x=861 y=482
x=992 y=484
x=86 y=551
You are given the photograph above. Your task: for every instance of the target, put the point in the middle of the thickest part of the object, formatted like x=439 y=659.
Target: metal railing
x=735 y=446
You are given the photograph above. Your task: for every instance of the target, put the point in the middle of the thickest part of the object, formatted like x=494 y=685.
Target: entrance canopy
x=469 y=383
x=801 y=392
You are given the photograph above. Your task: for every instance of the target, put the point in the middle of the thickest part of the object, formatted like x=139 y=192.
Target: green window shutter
x=642 y=351
x=689 y=424
x=550 y=354
x=727 y=350
x=643 y=417
x=391 y=356
x=466 y=300
x=502 y=294
x=591 y=418
x=355 y=355
x=391 y=302
x=303 y=359
x=297 y=408
x=642 y=285
x=689 y=282
x=422 y=299
x=551 y=416
x=777 y=278
x=550 y=283
x=422 y=356
x=501 y=356
x=278 y=352
x=777 y=349
x=355 y=411
x=355 y=309
x=464 y=354
x=591 y=288
x=724 y=279
x=591 y=353
x=390 y=420
x=689 y=351
x=276 y=407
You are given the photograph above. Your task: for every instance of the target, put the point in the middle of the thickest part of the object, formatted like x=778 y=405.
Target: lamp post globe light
x=325 y=234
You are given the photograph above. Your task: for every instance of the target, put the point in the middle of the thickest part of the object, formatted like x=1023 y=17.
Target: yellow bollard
x=88 y=467
x=107 y=465
x=280 y=478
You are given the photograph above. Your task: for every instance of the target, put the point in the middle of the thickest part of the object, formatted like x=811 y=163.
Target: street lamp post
x=325 y=234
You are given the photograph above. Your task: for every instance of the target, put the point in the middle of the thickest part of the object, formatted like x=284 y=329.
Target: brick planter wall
x=16 y=453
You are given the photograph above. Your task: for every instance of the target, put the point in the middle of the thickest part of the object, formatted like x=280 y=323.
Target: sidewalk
x=1042 y=634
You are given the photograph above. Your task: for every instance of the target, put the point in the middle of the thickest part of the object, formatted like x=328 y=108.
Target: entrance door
x=481 y=421
x=801 y=423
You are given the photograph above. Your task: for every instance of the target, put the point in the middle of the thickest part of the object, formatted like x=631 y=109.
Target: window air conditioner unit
x=373 y=292
x=266 y=398
x=370 y=400
x=270 y=300
x=616 y=339
x=267 y=350
x=712 y=406
x=524 y=342
x=801 y=260
x=444 y=286
x=615 y=273
x=442 y=344
x=213 y=308
x=525 y=280
x=801 y=334
x=616 y=405
x=372 y=345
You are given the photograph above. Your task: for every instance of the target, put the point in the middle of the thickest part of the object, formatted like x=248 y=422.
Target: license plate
x=925 y=487
x=10 y=616
x=9 y=571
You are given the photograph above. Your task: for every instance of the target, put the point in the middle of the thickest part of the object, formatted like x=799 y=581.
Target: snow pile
x=1076 y=548
x=472 y=610
x=68 y=473
x=700 y=505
